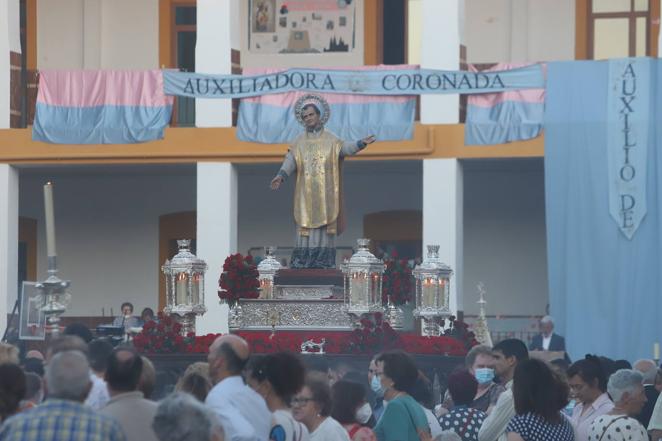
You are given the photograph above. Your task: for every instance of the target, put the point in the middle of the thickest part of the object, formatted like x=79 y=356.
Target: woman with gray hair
x=626 y=390
x=180 y=417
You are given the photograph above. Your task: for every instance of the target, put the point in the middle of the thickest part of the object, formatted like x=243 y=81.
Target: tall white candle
x=656 y=351
x=181 y=289
x=195 y=290
x=429 y=293
x=50 y=219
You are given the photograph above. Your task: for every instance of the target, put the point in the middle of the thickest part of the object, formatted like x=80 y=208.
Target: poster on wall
x=32 y=321
x=301 y=26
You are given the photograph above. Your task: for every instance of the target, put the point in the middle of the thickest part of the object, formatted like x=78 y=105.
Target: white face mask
x=363 y=413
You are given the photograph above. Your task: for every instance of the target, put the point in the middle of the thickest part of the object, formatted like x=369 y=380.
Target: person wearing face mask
x=378 y=391
x=480 y=363
x=351 y=409
x=463 y=419
x=403 y=418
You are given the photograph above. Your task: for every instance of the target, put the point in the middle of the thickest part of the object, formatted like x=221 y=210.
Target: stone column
x=443 y=218
x=440 y=49
x=8 y=241
x=216 y=235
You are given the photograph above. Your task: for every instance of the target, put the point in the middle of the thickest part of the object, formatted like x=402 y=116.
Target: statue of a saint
x=316 y=157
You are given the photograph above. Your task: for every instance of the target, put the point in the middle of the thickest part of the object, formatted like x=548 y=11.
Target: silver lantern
x=185 y=287
x=432 y=292
x=267 y=269
x=363 y=282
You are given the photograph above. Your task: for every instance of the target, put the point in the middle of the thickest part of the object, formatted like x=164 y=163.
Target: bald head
x=66 y=343
x=124 y=369
x=236 y=343
x=648 y=370
x=227 y=357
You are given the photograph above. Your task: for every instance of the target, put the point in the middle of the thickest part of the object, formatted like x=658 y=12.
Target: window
x=183 y=55
x=618 y=28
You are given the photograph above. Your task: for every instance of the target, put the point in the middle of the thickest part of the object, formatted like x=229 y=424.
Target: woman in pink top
x=588 y=384
x=351 y=409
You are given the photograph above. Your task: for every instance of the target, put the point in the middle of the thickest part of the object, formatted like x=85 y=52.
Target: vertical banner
x=628 y=107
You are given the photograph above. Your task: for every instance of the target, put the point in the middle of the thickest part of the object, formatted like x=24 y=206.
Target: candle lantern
x=363 y=282
x=185 y=287
x=267 y=269
x=432 y=292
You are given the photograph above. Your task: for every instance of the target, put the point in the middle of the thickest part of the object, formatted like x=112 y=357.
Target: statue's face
x=310 y=118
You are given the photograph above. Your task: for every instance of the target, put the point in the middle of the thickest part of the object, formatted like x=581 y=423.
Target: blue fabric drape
x=605 y=290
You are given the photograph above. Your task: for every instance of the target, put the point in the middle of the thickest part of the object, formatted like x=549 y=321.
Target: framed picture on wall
x=301 y=26
x=263 y=16
x=32 y=321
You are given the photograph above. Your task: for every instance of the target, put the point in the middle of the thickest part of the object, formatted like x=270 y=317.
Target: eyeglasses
x=301 y=401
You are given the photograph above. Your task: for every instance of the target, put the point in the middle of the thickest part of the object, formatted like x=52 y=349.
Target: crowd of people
x=86 y=389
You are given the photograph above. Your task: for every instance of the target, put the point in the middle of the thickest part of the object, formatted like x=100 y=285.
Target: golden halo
x=318 y=101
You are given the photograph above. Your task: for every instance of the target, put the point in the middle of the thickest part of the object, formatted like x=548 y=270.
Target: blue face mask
x=376 y=386
x=484 y=375
x=569 y=407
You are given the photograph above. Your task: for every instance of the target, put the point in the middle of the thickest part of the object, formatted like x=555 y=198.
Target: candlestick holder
x=55 y=297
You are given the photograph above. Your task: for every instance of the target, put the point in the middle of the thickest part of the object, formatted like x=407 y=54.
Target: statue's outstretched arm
x=288 y=167
x=352 y=148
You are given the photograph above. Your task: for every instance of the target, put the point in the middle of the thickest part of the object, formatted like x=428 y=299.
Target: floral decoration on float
x=239 y=279
x=373 y=337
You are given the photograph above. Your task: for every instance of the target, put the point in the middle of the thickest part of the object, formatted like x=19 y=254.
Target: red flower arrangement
x=375 y=335
x=239 y=279
x=397 y=281
x=162 y=337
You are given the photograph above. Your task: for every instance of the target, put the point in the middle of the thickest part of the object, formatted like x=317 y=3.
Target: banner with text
x=362 y=82
x=270 y=118
x=591 y=144
x=628 y=107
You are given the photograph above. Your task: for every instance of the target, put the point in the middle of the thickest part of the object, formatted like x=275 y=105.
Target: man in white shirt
x=507 y=353
x=547 y=340
x=242 y=411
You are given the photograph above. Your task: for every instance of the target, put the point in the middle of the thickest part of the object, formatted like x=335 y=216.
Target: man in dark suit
x=648 y=369
x=547 y=340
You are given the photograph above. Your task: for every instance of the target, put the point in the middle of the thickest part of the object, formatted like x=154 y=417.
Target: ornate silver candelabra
x=55 y=295
x=185 y=288
x=363 y=283
x=267 y=269
x=432 y=292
